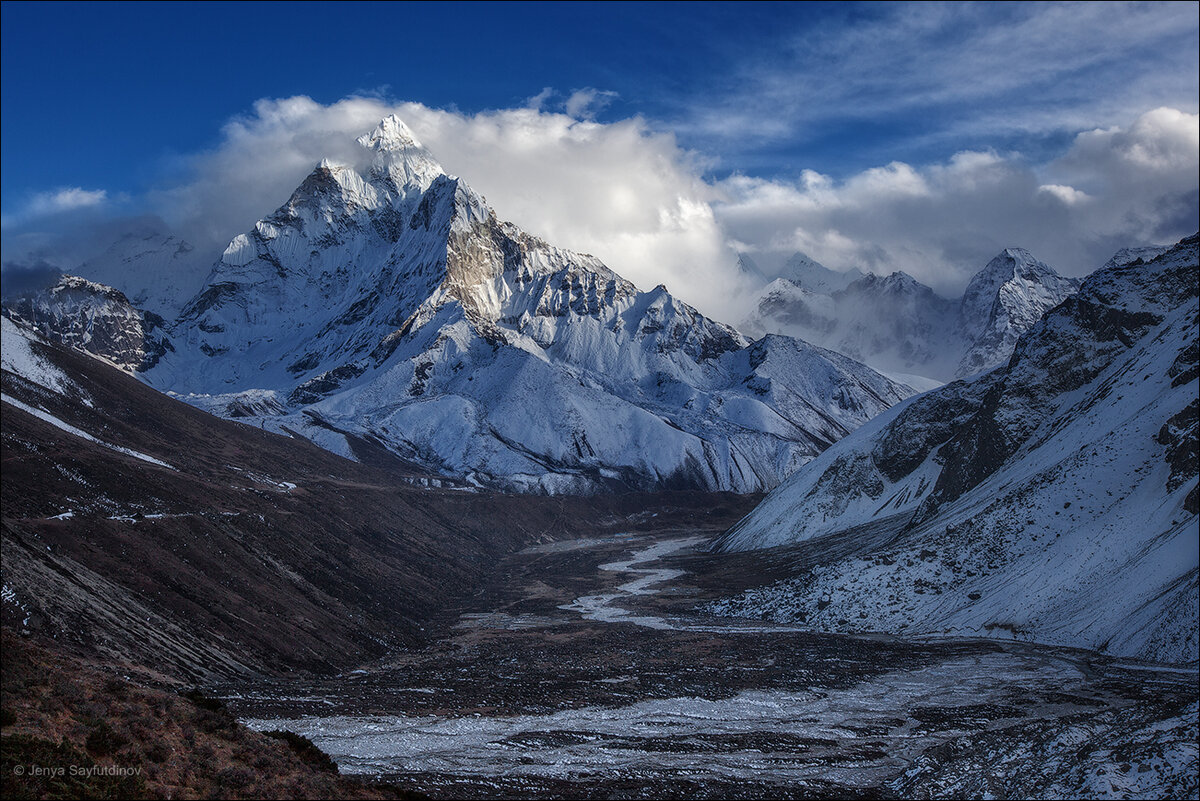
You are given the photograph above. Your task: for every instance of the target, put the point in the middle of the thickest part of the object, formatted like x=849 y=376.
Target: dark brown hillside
x=252 y=553
x=110 y=738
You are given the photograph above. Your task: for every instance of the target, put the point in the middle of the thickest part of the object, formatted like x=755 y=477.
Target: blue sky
x=115 y=104
x=142 y=81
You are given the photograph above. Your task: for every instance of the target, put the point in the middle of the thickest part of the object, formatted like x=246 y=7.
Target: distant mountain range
x=1053 y=499
x=902 y=327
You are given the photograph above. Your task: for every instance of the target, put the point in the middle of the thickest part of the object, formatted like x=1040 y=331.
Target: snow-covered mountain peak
x=399 y=156
x=1012 y=262
x=1126 y=256
x=391 y=134
x=393 y=304
x=94 y=318
x=816 y=277
x=1009 y=264
x=897 y=283
x=1004 y=300
x=748 y=268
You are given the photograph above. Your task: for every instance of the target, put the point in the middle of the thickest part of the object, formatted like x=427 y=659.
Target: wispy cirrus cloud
x=921 y=81
x=57 y=201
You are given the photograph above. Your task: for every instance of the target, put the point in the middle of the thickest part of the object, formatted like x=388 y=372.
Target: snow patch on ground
x=70 y=429
x=17 y=356
x=675 y=736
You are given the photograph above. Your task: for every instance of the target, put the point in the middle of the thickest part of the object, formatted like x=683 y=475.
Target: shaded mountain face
x=1054 y=498
x=901 y=326
x=390 y=302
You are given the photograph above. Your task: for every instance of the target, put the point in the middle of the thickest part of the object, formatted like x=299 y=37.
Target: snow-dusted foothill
x=17 y=356
x=1053 y=499
x=902 y=327
x=389 y=302
x=94 y=318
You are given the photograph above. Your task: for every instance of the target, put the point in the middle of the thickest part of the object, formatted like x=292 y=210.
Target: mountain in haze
x=389 y=302
x=155 y=270
x=900 y=326
x=799 y=269
x=816 y=277
x=1054 y=498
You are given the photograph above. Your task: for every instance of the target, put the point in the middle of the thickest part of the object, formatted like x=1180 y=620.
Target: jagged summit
x=1013 y=262
x=1126 y=256
x=749 y=269
x=1003 y=301
x=895 y=281
x=816 y=277
x=94 y=318
x=398 y=171
x=399 y=156
x=391 y=134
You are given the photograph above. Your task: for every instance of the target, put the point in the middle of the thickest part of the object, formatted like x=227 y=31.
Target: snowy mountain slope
x=1126 y=256
x=392 y=303
x=94 y=318
x=900 y=326
x=140 y=529
x=1053 y=499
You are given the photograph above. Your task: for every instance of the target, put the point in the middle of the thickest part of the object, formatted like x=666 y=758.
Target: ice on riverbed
x=763 y=735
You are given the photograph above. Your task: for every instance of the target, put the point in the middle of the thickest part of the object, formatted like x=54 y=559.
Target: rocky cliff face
x=94 y=318
x=1003 y=301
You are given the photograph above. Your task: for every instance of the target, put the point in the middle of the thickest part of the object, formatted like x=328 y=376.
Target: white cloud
x=624 y=193
x=632 y=196
x=67 y=199
x=1068 y=195
x=57 y=201
x=1113 y=188
x=585 y=104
